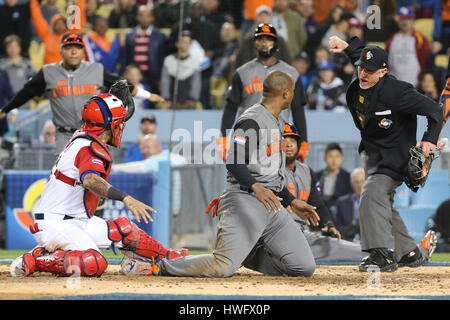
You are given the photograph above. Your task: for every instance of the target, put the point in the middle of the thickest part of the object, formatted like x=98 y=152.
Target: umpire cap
x=372 y=58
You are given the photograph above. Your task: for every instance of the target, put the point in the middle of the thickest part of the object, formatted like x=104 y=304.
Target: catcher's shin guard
x=65 y=262
x=137 y=243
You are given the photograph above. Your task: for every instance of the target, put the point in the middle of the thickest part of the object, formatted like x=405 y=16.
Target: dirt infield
x=327 y=281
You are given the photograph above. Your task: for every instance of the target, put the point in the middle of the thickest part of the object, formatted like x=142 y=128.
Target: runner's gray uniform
x=248 y=234
x=303 y=184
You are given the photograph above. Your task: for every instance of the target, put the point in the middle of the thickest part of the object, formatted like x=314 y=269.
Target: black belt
x=40 y=216
x=66 y=129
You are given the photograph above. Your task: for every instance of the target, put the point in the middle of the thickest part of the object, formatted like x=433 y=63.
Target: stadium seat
x=441 y=60
x=218 y=88
x=425 y=26
x=36 y=52
x=432 y=194
x=416 y=219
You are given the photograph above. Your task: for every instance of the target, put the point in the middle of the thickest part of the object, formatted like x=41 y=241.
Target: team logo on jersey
x=369 y=55
x=96 y=161
x=385 y=123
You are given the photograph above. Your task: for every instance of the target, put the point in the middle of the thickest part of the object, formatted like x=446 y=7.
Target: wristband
x=116 y=194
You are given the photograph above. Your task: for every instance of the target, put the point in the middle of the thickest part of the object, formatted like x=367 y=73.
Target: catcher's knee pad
x=69 y=262
x=137 y=241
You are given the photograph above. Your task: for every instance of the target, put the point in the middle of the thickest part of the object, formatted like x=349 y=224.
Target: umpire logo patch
x=385 y=123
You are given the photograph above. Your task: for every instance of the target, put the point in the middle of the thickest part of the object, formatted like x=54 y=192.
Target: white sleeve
x=129 y=167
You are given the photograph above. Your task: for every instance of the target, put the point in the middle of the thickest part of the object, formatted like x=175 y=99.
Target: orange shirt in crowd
x=250 y=7
x=50 y=39
x=323 y=7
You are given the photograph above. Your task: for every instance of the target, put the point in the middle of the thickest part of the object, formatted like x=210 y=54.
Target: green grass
x=109 y=254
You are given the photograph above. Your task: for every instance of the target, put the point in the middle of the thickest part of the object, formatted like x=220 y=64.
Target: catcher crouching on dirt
x=385 y=111
x=69 y=236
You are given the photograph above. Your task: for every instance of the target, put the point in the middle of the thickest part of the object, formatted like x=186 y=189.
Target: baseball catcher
x=69 y=236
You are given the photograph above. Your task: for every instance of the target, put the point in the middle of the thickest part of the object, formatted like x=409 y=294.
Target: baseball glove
x=121 y=90
x=418 y=168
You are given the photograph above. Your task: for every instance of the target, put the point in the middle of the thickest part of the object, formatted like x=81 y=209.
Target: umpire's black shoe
x=380 y=259
x=413 y=259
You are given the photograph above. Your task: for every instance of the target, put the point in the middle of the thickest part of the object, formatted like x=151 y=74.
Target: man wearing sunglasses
x=385 y=111
x=68 y=85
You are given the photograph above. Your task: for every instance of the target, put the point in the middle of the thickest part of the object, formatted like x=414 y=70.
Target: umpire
x=385 y=111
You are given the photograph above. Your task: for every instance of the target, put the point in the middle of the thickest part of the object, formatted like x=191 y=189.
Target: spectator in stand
x=250 y=7
x=15 y=19
x=48 y=134
x=388 y=22
x=334 y=180
x=123 y=15
x=247 y=49
x=19 y=69
x=441 y=30
x=6 y=94
x=320 y=55
x=204 y=47
x=100 y=49
x=49 y=9
x=347 y=213
x=328 y=91
x=134 y=75
x=302 y=64
x=323 y=7
x=52 y=33
x=226 y=55
x=306 y=11
x=91 y=13
x=407 y=49
x=344 y=67
x=315 y=39
x=181 y=66
x=148 y=125
x=167 y=13
x=339 y=28
x=213 y=14
x=145 y=47
x=427 y=86
x=355 y=29
x=290 y=26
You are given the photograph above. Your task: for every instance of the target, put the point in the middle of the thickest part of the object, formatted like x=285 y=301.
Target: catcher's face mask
x=102 y=112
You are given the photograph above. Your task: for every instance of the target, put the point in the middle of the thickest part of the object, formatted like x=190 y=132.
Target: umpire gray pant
x=381 y=225
x=270 y=243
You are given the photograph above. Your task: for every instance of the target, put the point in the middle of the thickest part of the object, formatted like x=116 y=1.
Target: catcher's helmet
x=102 y=112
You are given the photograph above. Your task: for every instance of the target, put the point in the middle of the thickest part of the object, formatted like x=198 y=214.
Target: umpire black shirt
x=389 y=127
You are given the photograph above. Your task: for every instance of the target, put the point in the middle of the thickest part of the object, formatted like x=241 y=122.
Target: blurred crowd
x=142 y=41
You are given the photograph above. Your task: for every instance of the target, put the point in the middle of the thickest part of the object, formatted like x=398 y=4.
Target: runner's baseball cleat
x=415 y=258
x=429 y=243
x=139 y=267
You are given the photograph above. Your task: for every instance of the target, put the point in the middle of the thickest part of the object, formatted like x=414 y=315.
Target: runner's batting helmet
x=265 y=29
